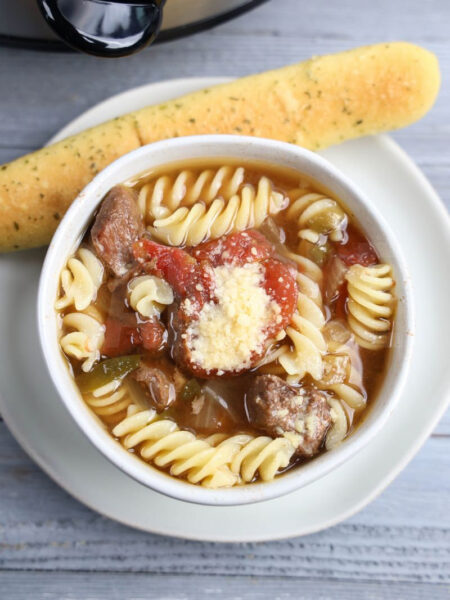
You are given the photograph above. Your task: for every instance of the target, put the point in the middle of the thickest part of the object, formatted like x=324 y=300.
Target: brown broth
x=229 y=415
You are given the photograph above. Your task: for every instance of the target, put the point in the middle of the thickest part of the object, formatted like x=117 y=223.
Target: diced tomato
x=119 y=338
x=153 y=335
x=183 y=273
x=236 y=249
x=357 y=250
x=281 y=286
x=174 y=265
x=122 y=339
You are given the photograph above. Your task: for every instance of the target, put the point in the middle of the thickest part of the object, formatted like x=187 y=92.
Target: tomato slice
x=236 y=249
x=280 y=284
x=357 y=250
x=251 y=246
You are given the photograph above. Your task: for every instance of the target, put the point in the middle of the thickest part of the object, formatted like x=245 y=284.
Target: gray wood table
x=51 y=546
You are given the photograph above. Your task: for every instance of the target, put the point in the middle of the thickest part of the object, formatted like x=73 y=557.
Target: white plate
x=39 y=421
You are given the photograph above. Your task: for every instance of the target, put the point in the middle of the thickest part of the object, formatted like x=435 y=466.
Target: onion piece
x=277 y=237
x=336 y=277
x=214 y=408
x=336 y=332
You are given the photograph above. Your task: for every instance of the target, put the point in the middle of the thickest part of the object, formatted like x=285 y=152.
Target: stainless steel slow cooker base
x=21 y=23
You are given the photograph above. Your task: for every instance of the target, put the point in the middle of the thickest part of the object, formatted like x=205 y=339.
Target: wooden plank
x=240 y=47
x=443 y=427
x=403 y=536
x=337 y=20
x=138 y=586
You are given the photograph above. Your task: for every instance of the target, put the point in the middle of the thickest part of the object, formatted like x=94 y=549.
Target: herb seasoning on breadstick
x=315 y=104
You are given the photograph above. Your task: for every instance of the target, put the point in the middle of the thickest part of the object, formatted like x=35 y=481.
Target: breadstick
x=314 y=104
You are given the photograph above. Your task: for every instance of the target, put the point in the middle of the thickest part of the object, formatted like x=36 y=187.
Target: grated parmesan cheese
x=232 y=328
x=312 y=423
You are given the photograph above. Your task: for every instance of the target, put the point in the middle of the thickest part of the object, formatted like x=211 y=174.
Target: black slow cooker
x=109 y=27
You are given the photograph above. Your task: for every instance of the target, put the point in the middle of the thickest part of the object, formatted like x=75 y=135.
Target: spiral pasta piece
x=215 y=461
x=162 y=442
x=350 y=390
x=80 y=280
x=110 y=400
x=370 y=304
x=261 y=455
x=149 y=295
x=306 y=355
x=84 y=339
x=161 y=197
x=309 y=277
x=194 y=225
x=305 y=328
x=316 y=216
x=339 y=428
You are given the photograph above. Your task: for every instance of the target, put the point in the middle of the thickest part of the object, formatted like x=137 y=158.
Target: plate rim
x=386 y=143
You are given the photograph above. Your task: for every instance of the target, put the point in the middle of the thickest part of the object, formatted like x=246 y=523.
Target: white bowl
x=70 y=233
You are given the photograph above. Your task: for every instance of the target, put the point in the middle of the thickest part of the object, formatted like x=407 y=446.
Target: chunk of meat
x=153 y=335
x=117 y=226
x=277 y=408
x=157 y=386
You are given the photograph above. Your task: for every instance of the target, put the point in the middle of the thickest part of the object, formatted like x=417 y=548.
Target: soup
x=226 y=321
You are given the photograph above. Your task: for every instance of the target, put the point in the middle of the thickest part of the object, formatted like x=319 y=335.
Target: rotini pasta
x=245 y=210
x=307 y=322
x=161 y=197
x=338 y=431
x=215 y=461
x=84 y=338
x=110 y=400
x=349 y=394
x=350 y=389
x=370 y=304
x=316 y=215
x=262 y=456
x=162 y=442
x=80 y=280
x=149 y=295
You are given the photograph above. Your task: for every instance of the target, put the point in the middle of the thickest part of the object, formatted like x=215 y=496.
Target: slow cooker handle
x=104 y=27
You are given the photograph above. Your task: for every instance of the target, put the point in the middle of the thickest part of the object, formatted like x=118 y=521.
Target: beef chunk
x=117 y=226
x=277 y=408
x=153 y=335
x=157 y=386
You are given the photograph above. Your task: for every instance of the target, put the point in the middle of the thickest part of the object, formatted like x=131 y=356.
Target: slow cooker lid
x=21 y=23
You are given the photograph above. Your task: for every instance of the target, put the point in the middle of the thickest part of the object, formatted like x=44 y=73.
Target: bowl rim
x=68 y=238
